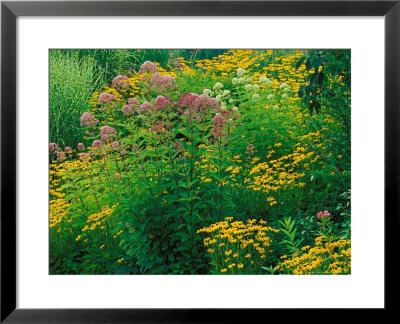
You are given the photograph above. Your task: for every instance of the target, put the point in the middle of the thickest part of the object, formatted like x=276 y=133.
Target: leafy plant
x=292 y=243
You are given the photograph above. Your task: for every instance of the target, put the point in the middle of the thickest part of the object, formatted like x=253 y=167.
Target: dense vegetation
x=228 y=162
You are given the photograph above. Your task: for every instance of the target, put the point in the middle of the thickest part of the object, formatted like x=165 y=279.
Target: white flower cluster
x=207 y=92
x=265 y=80
x=240 y=72
x=218 y=86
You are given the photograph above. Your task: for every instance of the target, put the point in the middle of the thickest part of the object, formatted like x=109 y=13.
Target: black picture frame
x=10 y=10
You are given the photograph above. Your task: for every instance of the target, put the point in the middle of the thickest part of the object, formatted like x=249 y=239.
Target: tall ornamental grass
x=71 y=85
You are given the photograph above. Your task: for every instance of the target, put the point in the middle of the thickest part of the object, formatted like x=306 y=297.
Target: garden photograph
x=199 y=161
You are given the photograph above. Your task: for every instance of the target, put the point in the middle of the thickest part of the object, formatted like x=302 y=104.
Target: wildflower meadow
x=200 y=162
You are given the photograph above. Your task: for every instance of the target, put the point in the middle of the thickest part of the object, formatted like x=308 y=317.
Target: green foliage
x=109 y=63
x=322 y=64
x=170 y=166
x=289 y=229
x=71 y=85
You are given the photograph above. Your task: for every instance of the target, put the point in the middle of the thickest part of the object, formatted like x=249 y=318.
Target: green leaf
x=321 y=78
x=301 y=92
x=300 y=62
x=308 y=65
x=314 y=78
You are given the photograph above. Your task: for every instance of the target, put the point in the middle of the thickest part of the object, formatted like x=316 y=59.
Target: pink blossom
x=133 y=102
x=146 y=107
x=163 y=103
x=81 y=147
x=159 y=127
x=60 y=156
x=203 y=103
x=148 y=67
x=323 y=214
x=106 y=132
x=218 y=124
x=187 y=100
x=162 y=82
x=88 y=120
x=53 y=147
x=106 y=98
x=187 y=106
x=97 y=144
x=179 y=147
x=67 y=149
x=115 y=144
x=127 y=110
x=84 y=156
x=120 y=82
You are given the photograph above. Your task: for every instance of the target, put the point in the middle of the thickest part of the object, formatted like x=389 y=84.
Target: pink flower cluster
x=159 y=127
x=115 y=145
x=106 y=98
x=147 y=108
x=60 y=156
x=178 y=146
x=53 y=147
x=178 y=65
x=88 y=120
x=81 y=147
x=148 y=67
x=204 y=102
x=323 y=214
x=133 y=102
x=218 y=125
x=107 y=132
x=164 y=103
x=162 y=82
x=97 y=144
x=84 y=156
x=127 y=110
x=120 y=82
x=194 y=105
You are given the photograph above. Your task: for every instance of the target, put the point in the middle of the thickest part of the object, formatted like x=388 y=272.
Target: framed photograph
x=186 y=161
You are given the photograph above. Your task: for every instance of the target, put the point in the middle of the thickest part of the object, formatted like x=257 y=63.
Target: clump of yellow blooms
x=324 y=258
x=97 y=219
x=236 y=247
x=57 y=205
x=284 y=172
